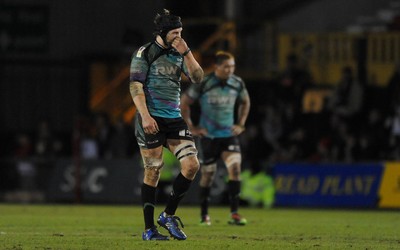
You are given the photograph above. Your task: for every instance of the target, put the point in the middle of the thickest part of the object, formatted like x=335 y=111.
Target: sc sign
x=92 y=179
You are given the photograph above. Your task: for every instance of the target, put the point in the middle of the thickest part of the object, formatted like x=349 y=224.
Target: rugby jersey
x=159 y=70
x=217 y=101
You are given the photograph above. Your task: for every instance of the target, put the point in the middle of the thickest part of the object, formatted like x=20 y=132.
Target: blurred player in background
x=155 y=77
x=218 y=95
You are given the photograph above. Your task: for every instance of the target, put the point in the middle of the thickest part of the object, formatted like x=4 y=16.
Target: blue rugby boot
x=153 y=234
x=171 y=224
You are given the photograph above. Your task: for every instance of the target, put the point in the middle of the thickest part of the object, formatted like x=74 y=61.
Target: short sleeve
x=139 y=66
x=243 y=92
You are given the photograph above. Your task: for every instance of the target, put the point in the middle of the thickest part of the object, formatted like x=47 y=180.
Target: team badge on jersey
x=140 y=51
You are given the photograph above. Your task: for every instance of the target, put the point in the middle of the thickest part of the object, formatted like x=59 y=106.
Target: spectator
x=23 y=146
x=347 y=100
x=293 y=82
x=46 y=143
x=102 y=135
x=88 y=146
x=394 y=136
x=393 y=90
x=272 y=128
x=119 y=140
x=25 y=168
x=371 y=139
x=343 y=142
x=393 y=114
x=85 y=141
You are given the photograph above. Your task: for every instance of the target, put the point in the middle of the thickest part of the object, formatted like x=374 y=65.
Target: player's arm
x=194 y=69
x=243 y=113
x=186 y=102
x=196 y=73
x=139 y=99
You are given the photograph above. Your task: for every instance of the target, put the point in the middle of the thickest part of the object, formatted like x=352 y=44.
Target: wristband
x=186 y=52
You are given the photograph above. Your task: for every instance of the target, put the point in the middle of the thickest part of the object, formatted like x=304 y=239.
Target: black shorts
x=170 y=128
x=211 y=149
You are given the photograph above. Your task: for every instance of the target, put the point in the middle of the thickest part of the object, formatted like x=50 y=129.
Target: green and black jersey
x=159 y=70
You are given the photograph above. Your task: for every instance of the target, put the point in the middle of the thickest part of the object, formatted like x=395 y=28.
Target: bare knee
x=233 y=163
x=152 y=170
x=190 y=166
x=208 y=174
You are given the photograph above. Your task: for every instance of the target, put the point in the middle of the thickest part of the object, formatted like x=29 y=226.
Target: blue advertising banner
x=323 y=185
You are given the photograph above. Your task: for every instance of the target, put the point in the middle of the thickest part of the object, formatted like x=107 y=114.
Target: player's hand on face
x=150 y=125
x=237 y=129
x=180 y=45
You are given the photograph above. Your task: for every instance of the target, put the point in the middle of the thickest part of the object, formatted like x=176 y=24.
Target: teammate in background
x=218 y=94
x=155 y=77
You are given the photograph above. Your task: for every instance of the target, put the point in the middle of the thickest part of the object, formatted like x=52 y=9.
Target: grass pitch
x=120 y=227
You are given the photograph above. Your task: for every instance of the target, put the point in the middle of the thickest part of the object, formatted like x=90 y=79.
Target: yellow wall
x=325 y=54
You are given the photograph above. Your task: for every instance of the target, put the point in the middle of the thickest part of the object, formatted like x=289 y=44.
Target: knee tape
x=209 y=167
x=152 y=163
x=185 y=149
x=233 y=159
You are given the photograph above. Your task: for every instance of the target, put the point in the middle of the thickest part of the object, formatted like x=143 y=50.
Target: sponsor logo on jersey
x=166 y=70
x=221 y=100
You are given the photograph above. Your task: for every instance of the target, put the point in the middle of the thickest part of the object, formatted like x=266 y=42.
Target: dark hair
x=222 y=56
x=165 y=22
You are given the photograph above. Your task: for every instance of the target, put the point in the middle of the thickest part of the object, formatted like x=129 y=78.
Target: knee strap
x=232 y=159
x=185 y=149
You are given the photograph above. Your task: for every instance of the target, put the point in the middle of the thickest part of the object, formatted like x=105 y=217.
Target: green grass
x=120 y=227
